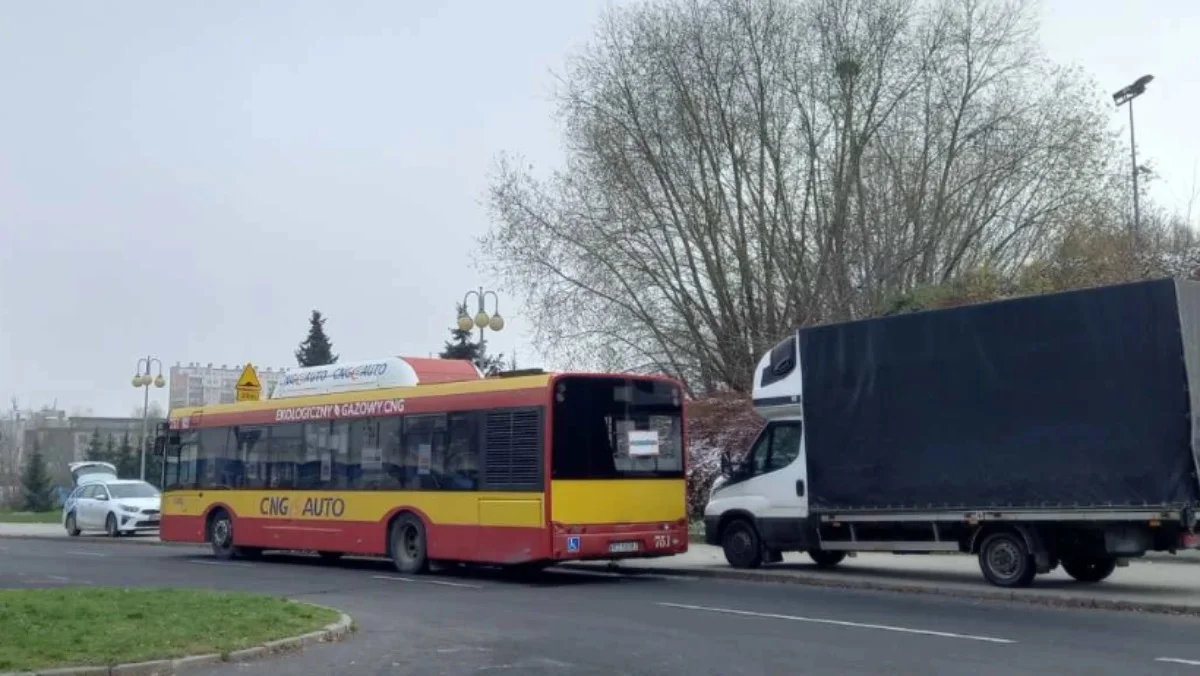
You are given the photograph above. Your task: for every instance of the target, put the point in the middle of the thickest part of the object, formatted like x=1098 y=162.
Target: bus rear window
x=617 y=428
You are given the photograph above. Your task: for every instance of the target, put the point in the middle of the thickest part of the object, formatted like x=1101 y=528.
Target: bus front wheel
x=220 y=535
x=408 y=545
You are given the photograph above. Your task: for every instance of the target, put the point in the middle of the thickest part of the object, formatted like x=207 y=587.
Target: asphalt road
x=472 y=622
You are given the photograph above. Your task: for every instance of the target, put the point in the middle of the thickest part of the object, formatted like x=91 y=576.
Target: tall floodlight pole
x=1127 y=95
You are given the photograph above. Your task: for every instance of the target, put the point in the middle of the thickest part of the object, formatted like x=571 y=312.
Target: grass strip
x=7 y=516
x=46 y=628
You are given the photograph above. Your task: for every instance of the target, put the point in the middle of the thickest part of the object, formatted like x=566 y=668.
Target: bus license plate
x=621 y=547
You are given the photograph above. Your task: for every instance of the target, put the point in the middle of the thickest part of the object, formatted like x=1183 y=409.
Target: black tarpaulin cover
x=1077 y=399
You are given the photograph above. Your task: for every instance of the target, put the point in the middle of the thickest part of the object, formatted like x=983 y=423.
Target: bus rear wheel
x=408 y=545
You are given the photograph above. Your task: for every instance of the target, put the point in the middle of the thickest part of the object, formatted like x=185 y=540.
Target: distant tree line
x=123 y=454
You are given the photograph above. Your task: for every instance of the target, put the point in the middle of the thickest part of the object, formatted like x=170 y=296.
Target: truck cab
x=758 y=507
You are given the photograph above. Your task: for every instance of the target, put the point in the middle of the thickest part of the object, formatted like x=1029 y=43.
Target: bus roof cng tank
x=1077 y=399
x=374 y=374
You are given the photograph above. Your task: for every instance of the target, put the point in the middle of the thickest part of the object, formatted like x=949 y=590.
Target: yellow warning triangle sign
x=249 y=379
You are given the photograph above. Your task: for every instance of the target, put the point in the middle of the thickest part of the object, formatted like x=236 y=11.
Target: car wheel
x=110 y=526
x=72 y=528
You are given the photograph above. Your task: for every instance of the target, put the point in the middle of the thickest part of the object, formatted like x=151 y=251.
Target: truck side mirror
x=726 y=464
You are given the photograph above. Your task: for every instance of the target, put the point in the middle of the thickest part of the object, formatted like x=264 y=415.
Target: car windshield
x=139 y=490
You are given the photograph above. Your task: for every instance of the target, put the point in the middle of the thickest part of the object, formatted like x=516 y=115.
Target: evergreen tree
x=127 y=462
x=95 y=448
x=110 y=450
x=35 y=482
x=461 y=346
x=316 y=350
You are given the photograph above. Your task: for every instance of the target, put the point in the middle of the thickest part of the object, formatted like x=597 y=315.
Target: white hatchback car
x=117 y=507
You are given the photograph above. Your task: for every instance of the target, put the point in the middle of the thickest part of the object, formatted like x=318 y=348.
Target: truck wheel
x=825 y=559
x=743 y=548
x=1006 y=561
x=1090 y=569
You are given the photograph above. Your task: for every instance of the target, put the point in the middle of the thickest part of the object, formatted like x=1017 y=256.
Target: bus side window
x=462 y=451
x=285 y=451
x=346 y=468
x=171 y=448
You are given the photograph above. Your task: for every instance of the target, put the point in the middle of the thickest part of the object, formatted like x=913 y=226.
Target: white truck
x=1052 y=430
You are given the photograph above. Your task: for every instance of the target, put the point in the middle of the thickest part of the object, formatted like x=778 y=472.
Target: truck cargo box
x=1079 y=399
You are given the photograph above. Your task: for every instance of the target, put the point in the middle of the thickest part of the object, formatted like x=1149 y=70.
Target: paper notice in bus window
x=372 y=459
x=643 y=443
x=424 y=458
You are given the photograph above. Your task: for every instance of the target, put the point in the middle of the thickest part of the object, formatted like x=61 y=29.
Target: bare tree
x=737 y=168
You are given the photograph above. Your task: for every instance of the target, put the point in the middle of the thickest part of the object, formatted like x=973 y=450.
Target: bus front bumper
x=607 y=542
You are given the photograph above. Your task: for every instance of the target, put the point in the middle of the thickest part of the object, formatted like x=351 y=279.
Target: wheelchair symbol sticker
x=573 y=543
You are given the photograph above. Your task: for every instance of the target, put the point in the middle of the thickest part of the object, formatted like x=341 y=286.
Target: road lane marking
x=840 y=623
x=392 y=578
x=76 y=552
x=444 y=583
x=454 y=584
x=58 y=578
x=1176 y=660
x=221 y=563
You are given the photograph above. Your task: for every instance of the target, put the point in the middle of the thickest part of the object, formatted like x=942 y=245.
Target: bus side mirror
x=160 y=445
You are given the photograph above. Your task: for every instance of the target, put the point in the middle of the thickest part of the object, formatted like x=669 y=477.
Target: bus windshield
x=617 y=428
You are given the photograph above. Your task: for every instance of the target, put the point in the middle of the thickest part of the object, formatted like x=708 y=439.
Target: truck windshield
x=617 y=428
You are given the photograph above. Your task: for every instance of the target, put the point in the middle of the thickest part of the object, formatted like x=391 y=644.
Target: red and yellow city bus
x=426 y=460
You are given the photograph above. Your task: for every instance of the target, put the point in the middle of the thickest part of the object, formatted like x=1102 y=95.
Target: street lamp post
x=142 y=379
x=481 y=319
x=1127 y=95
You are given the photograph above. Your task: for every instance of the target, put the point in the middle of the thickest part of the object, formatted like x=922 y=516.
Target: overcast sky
x=189 y=179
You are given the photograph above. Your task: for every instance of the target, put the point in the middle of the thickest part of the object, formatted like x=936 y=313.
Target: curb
x=331 y=633
x=1187 y=557
x=143 y=542
x=1028 y=597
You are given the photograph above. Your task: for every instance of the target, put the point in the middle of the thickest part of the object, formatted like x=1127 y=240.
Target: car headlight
x=127 y=508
